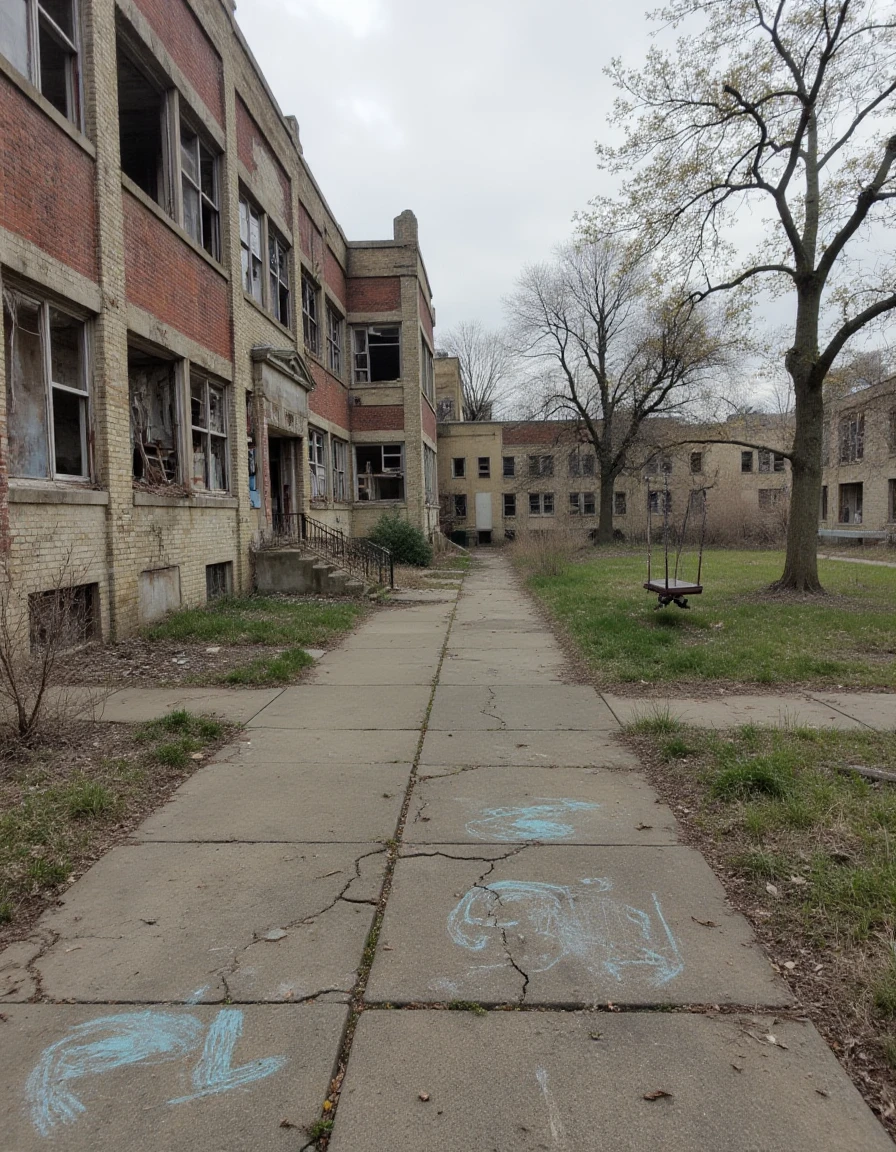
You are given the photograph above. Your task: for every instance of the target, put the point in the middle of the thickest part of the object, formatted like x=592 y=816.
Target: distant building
x=858 y=496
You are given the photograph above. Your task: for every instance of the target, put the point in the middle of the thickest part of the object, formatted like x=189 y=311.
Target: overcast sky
x=480 y=115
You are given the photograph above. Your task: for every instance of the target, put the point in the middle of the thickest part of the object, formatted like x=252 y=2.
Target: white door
x=483 y=511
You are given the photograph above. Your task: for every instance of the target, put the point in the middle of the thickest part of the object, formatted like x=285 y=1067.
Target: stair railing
x=355 y=554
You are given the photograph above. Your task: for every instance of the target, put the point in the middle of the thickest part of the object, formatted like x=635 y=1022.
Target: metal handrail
x=353 y=553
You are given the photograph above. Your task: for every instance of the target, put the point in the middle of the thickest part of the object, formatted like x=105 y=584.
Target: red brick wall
x=46 y=184
x=378 y=418
x=425 y=315
x=190 y=49
x=329 y=399
x=249 y=139
x=310 y=239
x=429 y=420
x=166 y=278
x=374 y=293
x=334 y=276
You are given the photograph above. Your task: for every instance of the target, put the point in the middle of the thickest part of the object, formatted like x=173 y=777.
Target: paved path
x=192 y=990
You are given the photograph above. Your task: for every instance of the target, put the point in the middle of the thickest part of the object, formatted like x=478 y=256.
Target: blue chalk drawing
x=213 y=1073
x=149 y=1038
x=557 y=922
x=542 y=821
x=196 y=996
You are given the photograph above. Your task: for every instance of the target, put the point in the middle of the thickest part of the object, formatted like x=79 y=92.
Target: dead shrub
x=547 y=552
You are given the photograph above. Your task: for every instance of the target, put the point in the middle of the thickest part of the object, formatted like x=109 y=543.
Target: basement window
x=208 y=419
x=379 y=472
x=154 y=419
x=46 y=389
x=376 y=353
x=40 y=38
x=63 y=618
x=218 y=580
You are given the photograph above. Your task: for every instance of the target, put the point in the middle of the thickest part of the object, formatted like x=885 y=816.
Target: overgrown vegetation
x=805 y=848
x=284 y=623
x=736 y=632
x=407 y=544
x=62 y=805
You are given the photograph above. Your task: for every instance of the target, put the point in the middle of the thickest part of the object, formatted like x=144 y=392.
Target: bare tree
x=779 y=111
x=485 y=365
x=617 y=351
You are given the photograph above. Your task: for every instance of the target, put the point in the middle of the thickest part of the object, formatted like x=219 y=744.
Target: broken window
x=379 y=471
x=618 y=503
x=377 y=355
x=746 y=461
x=278 y=254
x=250 y=245
x=317 y=462
x=164 y=155
x=541 y=503
x=199 y=188
x=154 y=418
x=657 y=503
x=541 y=465
x=208 y=419
x=485 y=467
x=509 y=504
x=696 y=462
x=659 y=464
x=581 y=504
x=459 y=467
x=310 y=324
x=581 y=463
x=852 y=438
x=335 y=337
x=460 y=507
x=218 y=580
x=340 y=469
x=765 y=460
x=427 y=379
x=46 y=389
x=851 y=503
x=40 y=38
x=509 y=465
x=63 y=618
x=430 y=474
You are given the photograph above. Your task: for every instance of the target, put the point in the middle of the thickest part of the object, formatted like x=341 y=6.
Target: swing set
x=669 y=588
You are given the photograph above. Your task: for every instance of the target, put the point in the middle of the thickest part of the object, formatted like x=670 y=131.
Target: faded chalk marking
x=558 y=1132
x=541 y=821
x=150 y=1038
x=581 y=922
x=196 y=997
x=213 y=1073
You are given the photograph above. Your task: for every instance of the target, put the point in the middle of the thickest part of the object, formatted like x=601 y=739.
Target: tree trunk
x=801 y=564
x=605 y=519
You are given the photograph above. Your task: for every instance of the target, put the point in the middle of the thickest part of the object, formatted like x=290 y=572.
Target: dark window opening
x=509 y=504
x=63 y=618
x=484 y=536
x=460 y=507
x=509 y=465
x=746 y=461
x=696 y=462
x=541 y=465
x=459 y=467
x=377 y=354
x=618 y=503
x=218 y=580
x=851 y=503
x=485 y=467
x=141 y=115
x=379 y=471
x=778 y=462
x=824 y=501
x=581 y=463
x=278 y=253
x=891 y=499
x=154 y=421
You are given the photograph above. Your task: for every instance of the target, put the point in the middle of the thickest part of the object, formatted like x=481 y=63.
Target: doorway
x=283 y=451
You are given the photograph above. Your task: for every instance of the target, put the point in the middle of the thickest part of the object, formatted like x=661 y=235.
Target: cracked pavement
x=436 y=780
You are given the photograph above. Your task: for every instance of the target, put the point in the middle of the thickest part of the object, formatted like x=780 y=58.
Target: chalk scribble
x=545 y=820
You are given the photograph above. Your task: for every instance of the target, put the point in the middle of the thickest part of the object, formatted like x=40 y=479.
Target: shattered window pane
x=14 y=34
x=69 y=424
x=26 y=391
x=209 y=425
x=153 y=419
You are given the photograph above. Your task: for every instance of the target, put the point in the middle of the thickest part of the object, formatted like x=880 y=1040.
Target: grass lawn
x=734 y=632
x=288 y=625
x=807 y=853
x=64 y=802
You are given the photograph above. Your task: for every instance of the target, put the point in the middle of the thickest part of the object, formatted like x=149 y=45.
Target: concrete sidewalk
x=191 y=991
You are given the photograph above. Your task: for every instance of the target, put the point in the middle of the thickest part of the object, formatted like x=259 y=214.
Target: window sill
x=147 y=201
x=197 y=500
x=36 y=97
x=270 y=317
x=25 y=492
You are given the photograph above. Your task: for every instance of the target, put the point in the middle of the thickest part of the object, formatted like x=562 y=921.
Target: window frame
x=39 y=22
x=427 y=370
x=335 y=340
x=340 y=469
x=252 y=258
x=541 y=465
x=747 y=455
x=455 y=474
x=509 y=505
x=620 y=504
x=696 y=458
x=484 y=467
x=213 y=246
x=317 y=463
x=49 y=386
x=361 y=374
x=388 y=473
x=278 y=246
x=544 y=503
x=508 y=474
x=459 y=502
x=207 y=432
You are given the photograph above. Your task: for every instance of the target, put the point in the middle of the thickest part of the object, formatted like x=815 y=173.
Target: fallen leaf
x=659 y=1094
x=705 y=923
x=197 y=756
x=424 y=1096
x=771 y=889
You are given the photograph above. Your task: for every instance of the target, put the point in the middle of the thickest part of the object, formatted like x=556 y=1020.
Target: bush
x=407 y=544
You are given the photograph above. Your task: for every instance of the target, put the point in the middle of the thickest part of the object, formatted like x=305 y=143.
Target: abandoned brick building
x=194 y=352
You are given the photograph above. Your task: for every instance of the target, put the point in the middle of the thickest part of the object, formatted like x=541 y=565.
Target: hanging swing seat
x=669 y=589
x=673 y=591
